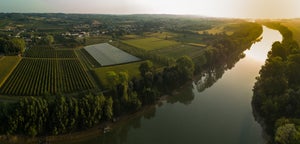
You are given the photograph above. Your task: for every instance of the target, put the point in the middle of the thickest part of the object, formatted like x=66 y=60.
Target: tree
x=112 y=79
x=12 y=47
x=49 y=39
x=278 y=50
x=145 y=67
x=185 y=67
x=294 y=69
x=3 y=44
x=287 y=134
x=123 y=78
x=109 y=108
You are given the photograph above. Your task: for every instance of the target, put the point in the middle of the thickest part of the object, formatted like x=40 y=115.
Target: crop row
x=39 y=76
x=48 y=52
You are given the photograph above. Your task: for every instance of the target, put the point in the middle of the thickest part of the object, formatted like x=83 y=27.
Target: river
x=216 y=109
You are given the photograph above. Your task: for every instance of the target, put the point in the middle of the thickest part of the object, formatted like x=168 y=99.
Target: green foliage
x=112 y=79
x=293 y=70
x=12 y=46
x=49 y=39
x=185 y=67
x=145 y=67
x=287 y=134
x=109 y=108
x=277 y=90
x=37 y=116
x=30 y=116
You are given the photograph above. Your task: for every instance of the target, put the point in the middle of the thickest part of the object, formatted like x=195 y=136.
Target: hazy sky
x=216 y=8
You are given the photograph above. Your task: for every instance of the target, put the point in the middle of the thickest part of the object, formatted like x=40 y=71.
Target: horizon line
x=124 y=14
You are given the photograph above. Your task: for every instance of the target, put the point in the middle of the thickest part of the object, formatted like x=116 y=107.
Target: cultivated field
x=38 y=76
x=7 y=63
x=49 y=52
x=180 y=50
x=162 y=35
x=106 y=54
x=150 y=43
x=132 y=69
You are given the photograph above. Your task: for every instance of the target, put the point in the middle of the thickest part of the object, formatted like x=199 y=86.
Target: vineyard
x=49 y=52
x=40 y=76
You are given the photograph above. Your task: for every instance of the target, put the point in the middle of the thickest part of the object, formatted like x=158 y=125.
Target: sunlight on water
x=259 y=51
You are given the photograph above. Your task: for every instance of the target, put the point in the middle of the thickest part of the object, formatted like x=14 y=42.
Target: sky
x=214 y=8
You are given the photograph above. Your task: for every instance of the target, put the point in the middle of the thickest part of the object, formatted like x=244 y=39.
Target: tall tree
x=186 y=67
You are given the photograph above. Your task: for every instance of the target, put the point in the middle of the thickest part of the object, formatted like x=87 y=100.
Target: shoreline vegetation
x=276 y=96
x=118 y=94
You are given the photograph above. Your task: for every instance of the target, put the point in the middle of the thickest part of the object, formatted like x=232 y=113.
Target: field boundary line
x=9 y=73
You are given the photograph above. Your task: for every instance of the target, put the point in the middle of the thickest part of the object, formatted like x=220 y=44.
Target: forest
x=276 y=94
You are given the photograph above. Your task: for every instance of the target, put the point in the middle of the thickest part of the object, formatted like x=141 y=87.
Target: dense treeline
x=276 y=99
x=130 y=95
x=52 y=116
x=12 y=46
x=40 y=116
x=223 y=47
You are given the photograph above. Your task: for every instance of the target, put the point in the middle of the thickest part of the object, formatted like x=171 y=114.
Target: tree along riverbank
x=276 y=94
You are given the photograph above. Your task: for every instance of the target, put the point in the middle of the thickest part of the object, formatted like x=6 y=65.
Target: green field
x=132 y=69
x=34 y=77
x=162 y=35
x=150 y=43
x=7 y=64
x=181 y=50
x=294 y=26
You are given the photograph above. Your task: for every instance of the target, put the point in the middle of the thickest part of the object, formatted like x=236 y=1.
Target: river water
x=216 y=109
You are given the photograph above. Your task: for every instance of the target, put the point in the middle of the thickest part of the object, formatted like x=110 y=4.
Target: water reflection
x=208 y=78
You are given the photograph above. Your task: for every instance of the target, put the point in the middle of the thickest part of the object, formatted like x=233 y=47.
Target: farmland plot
x=150 y=43
x=34 y=77
x=49 y=52
x=106 y=54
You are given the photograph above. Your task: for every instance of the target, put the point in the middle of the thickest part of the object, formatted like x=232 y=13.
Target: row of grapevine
x=49 y=52
x=38 y=76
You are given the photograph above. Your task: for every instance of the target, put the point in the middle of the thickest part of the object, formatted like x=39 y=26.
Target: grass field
x=132 y=69
x=228 y=29
x=97 y=39
x=151 y=43
x=180 y=50
x=294 y=26
x=131 y=36
x=161 y=35
x=7 y=64
x=34 y=77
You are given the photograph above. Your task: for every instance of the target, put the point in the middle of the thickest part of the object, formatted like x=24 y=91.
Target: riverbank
x=82 y=135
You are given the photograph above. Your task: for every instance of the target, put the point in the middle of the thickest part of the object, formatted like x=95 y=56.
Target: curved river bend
x=220 y=114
